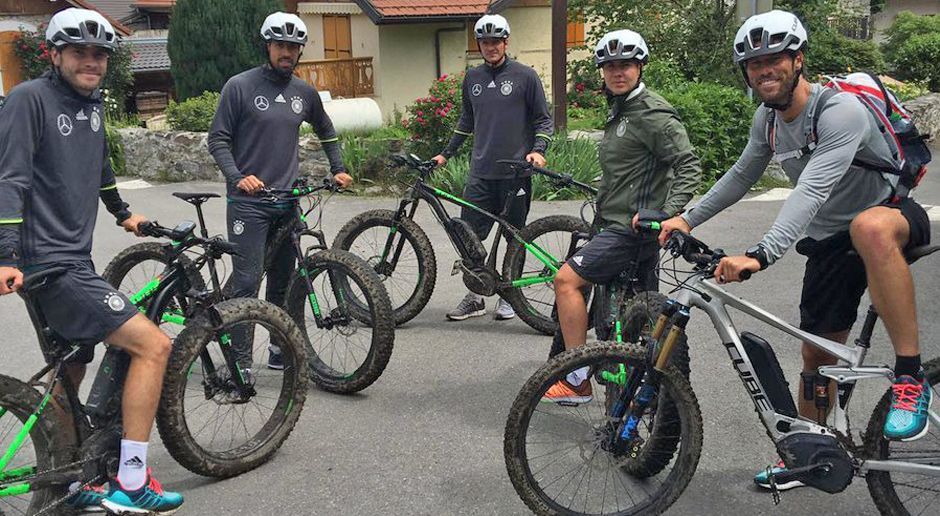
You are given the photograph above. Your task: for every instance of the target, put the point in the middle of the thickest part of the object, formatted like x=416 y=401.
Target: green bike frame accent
x=14 y=448
x=619 y=378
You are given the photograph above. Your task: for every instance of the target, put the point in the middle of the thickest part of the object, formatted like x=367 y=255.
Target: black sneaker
x=470 y=306
x=275 y=360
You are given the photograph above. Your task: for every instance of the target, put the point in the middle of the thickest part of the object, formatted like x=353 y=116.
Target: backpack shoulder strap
x=772 y=129
x=824 y=96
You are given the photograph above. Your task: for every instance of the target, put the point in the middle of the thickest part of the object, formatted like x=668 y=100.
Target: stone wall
x=184 y=156
x=926 y=113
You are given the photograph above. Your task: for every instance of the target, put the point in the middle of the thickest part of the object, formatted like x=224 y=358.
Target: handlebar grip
x=149 y=228
x=225 y=246
x=745 y=275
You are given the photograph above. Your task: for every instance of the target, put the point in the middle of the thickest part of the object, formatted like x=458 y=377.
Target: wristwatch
x=758 y=253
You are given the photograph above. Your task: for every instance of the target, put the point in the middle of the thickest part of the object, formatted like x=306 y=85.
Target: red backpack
x=908 y=147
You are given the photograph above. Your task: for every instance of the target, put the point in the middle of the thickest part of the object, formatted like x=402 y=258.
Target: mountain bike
x=401 y=253
x=593 y=458
x=213 y=419
x=337 y=299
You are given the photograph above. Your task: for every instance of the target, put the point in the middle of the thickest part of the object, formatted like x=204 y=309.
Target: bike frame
x=704 y=294
x=422 y=191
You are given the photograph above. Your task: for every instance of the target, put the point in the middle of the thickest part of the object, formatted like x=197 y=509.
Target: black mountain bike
x=213 y=420
x=337 y=299
x=401 y=252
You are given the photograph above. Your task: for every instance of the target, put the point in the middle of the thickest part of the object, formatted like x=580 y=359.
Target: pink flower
x=450 y=91
x=420 y=114
x=579 y=87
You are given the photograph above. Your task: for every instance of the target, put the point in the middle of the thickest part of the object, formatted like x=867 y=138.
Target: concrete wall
x=406 y=65
x=884 y=19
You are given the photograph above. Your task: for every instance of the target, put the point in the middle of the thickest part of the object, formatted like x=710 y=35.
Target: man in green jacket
x=648 y=164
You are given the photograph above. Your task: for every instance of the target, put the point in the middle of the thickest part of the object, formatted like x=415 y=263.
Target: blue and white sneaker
x=88 y=499
x=762 y=479
x=149 y=499
x=907 y=419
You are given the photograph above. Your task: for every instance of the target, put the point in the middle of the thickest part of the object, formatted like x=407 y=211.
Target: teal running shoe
x=907 y=419
x=149 y=499
x=88 y=499
x=762 y=479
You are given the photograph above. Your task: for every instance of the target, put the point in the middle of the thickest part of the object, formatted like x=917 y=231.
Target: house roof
x=417 y=11
x=118 y=26
x=149 y=54
x=120 y=10
x=155 y=5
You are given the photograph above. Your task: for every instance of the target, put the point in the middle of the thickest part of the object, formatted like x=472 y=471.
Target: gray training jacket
x=828 y=190
x=505 y=110
x=257 y=125
x=53 y=168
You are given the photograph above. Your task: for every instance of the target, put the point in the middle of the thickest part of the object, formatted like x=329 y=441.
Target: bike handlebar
x=217 y=244
x=563 y=179
x=300 y=189
x=694 y=251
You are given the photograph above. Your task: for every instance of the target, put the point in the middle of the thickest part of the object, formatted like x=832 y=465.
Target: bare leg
x=572 y=308
x=149 y=349
x=812 y=359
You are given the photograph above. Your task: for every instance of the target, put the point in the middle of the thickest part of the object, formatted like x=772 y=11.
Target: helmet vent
x=756 y=35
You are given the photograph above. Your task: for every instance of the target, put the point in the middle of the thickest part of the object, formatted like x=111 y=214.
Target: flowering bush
x=35 y=59
x=432 y=119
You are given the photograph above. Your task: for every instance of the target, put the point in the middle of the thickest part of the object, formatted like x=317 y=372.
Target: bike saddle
x=196 y=198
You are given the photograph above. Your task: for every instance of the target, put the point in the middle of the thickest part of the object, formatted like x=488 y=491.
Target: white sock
x=132 y=472
x=577 y=376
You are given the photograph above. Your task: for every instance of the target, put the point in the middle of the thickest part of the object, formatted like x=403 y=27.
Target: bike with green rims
x=338 y=301
x=214 y=418
x=400 y=251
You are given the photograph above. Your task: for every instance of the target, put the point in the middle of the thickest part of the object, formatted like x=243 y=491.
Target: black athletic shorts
x=610 y=252
x=491 y=196
x=835 y=279
x=82 y=307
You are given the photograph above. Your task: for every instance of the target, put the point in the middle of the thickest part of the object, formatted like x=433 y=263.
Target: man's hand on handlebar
x=11 y=280
x=250 y=184
x=439 y=159
x=343 y=180
x=536 y=159
x=736 y=268
x=670 y=225
x=132 y=224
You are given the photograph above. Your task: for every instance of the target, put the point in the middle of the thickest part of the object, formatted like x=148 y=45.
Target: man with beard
x=504 y=108
x=838 y=205
x=53 y=169
x=254 y=140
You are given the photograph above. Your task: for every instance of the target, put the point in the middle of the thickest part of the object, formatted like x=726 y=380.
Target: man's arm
x=840 y=131
x=539 y=116
x=221 y=133
x=672 y=146
x=108 y=192
x=323 y=127
x=739 y=178
x=20 y=133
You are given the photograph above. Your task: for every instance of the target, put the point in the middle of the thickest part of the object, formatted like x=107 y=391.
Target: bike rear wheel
x=207 y=421
x=533 y=303
x=559 y=457
x=410 y=279
x=354 y=344
x=896 y=493
x=43 y=448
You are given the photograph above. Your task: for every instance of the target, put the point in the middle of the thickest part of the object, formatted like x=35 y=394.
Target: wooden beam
x=559 y=62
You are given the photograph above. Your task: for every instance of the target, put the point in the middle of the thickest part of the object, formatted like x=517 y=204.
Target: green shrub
x=717 y=119
x=433 y=118
x=576 y=157
x=832 y=53
x=918 y=59
x=452 y=177
x=365 y=156
x=663 y=74
x=905 y=26
x=115 y=150
x=194 y=114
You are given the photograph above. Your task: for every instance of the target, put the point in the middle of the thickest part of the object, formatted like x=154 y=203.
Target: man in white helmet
x=504 y=108
x=650 y=172
x=53 y=169
x=254 y=140
x=837 y=203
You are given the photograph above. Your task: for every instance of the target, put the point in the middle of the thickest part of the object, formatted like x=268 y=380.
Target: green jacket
x=646 y=159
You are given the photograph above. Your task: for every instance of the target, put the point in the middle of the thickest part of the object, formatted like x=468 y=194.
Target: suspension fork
x=396 y=253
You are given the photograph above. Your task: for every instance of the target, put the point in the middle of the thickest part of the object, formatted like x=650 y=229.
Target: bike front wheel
x=347 y=320
x=899 y=493
x=565 y=458
x=223 y=411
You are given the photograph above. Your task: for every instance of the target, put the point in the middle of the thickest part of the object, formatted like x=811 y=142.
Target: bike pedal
x=458 y=265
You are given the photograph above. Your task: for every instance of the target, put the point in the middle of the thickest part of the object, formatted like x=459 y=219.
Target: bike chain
x=68 y=495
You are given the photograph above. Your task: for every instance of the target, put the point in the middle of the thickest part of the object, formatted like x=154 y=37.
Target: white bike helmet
x=284 y=27
x=621 y=45
x=768 y=33
x=75 y=26
x=491 y=26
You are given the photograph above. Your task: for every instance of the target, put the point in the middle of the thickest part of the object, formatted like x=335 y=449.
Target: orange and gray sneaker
x=567 y=394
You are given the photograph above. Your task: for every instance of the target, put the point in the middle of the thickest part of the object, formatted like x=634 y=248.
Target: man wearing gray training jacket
x=837 y=204
x=254 y=142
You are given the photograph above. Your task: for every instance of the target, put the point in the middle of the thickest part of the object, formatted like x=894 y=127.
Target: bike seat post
x=202 y=221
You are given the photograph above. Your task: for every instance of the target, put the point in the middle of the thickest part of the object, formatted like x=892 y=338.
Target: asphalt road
x=427 y=437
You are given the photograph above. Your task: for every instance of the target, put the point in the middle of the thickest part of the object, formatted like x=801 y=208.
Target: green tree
x=212 y=40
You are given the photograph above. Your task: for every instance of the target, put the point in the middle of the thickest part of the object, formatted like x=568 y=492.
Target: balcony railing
x=348 y=77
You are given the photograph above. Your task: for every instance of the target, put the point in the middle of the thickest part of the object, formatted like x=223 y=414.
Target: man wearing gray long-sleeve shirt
x=253 y=139
x=838 y=206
